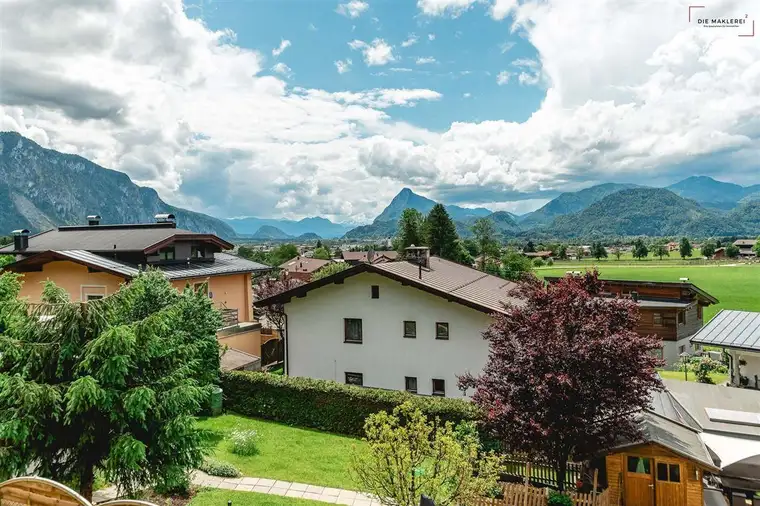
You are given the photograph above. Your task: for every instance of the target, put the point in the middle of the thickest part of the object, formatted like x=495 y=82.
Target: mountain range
x=42 y=188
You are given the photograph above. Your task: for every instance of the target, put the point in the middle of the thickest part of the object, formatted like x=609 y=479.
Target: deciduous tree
x=732 y=251
x=708 y=249
x=322 y=253
x=329 y=270
x=111 y=385
x=756 y=247
x=660 y=250
x=268 y=286
x=598 y=250
x=567 y=373
x=514 y=265
x=485 y=237
x=640 y=249
x=408 y=455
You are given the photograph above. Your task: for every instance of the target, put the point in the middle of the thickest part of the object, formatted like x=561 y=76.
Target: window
x=410 y=329
x=93 y=296
x=439 y=388
x=375 y=292
x=441 y=330
x=681 y=350
x=668 y=472
x=166 y=254
x=410 y=384
x=352 y=330
x=699 y=311
x=657 y=319
x=681 y=317
x=355 y=378
x=197 y=252
x=639 y=465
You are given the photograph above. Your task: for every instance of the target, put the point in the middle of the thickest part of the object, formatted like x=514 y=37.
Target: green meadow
x=735 y=286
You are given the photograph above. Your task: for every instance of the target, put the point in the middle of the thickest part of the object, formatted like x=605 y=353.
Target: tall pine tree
x=409 y=229
x=441 y=234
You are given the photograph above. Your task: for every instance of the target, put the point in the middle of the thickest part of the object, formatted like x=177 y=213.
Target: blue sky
x=250 y=108
x=469 y=51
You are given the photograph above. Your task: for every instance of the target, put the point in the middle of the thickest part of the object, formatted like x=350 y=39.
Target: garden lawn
x=718 y=379
x=286 y=453
x=219 y=497
x=736 y=287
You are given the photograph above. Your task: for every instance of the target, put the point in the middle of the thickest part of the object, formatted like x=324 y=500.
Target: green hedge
x=326 y=405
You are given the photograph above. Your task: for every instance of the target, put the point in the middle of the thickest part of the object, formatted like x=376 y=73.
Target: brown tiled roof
x=303 y=264
x=449 y=280
x=361 y=256
x=745 y=242
x=107 y=238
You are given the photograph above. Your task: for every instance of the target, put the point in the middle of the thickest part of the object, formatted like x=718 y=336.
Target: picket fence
x=516 y=494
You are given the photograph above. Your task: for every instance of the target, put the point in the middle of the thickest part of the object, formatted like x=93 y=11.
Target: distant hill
x=308 y=236
x=748 y=214
x=42 y=188
x=570 y=202
x=406 y=198
x=376 y=230
x=315 y=225
x=645 y=211
x=505 y=223
x=711 y=193
x=269 y=232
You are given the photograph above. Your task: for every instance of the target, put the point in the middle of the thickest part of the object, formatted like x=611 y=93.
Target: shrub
x=557 y=499
x=218 y=468
x=549 y=262
x=537 y=262
x=243 y=442
x=327 y=405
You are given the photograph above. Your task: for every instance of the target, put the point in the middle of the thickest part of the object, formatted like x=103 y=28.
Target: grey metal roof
x=679 y=438
x=663 y=303
x=94 y=260
x=457 y=280
x=731 y=329
x=100 y=238
x=223 y=263
x=694 y=397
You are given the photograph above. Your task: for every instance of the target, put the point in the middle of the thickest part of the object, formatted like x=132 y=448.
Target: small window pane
x=675 y=473
x=375 y=292
x=658 y=319
x=439 y=387
x=662 y=471
x=355 y=378
x=410 y=329
x=353 y=330
x=92 y=296
x=639 y=465
x=411 y=384
x=441 y=330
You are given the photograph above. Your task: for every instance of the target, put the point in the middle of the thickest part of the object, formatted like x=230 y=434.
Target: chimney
x=419 y=255
x=166 y=218
x=93 y=220
x=20 y=239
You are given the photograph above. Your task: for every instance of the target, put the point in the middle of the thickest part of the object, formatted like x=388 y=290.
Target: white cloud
x=312 y=27
x=451 y=8
x=400 y=69
x=376 y=53
x=139 y=87
x=284 y=44
x=352 y=9
x=425 y=60
x=467 y=95
x=282 y=69
x=506 y=46
x=502 y=78
x=411 y=40
x=431 y=36
x=343 y=66
x=530 y=73
x=502 y=8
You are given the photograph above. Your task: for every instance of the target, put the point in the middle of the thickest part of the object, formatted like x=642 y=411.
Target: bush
x=549 y=262
x=557 y=499
x=243 y=442
x=537 y=262
x=218 y=468
x=327 y=405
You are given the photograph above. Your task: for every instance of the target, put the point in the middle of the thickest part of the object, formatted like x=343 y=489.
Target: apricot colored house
x=92 y=261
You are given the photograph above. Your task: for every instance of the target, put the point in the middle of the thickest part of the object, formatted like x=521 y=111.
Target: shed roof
x=452 y=281
x=233 y=359
x=731 y=329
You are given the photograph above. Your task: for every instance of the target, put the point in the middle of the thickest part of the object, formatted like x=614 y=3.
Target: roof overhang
x=701 y=294
x=301 y=291
x=209 y=238
x=36 y=261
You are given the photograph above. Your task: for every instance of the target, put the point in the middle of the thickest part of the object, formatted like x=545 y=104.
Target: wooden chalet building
x=671 y=310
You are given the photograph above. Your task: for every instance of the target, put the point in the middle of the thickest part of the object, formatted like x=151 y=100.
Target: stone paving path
x=269 y=486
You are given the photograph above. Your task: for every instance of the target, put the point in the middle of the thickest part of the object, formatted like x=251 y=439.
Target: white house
x=738 y=332
x=408 y=325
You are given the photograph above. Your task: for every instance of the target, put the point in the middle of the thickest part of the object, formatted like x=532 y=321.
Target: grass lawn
x=219 y=497
x=287 y=453
x=736 y=287
x=717 y=378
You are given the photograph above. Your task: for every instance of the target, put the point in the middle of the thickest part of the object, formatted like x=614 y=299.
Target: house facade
x=302 y=268
x=672 y=311
x=396 y=325
x=737 y=332
x=746 y=247
x=92 y=262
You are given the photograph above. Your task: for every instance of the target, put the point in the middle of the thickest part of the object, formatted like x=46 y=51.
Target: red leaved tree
x=566 y=374
x=267 y=287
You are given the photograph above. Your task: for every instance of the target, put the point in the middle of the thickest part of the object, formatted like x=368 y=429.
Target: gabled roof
x=703 y=295
x=745 y=242
x=361 y=256
x=303 y=264
x=145 y=237
x=223 y=264
x=449 y=280
x=731 y=329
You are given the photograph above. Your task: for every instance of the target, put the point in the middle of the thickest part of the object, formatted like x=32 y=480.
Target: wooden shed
x=664 y=468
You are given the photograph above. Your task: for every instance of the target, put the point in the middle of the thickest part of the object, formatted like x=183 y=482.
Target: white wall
x=315 y=335
x=750 y=370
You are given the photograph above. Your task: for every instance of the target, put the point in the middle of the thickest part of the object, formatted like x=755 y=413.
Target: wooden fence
x=541 y=473
x=516 y=494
